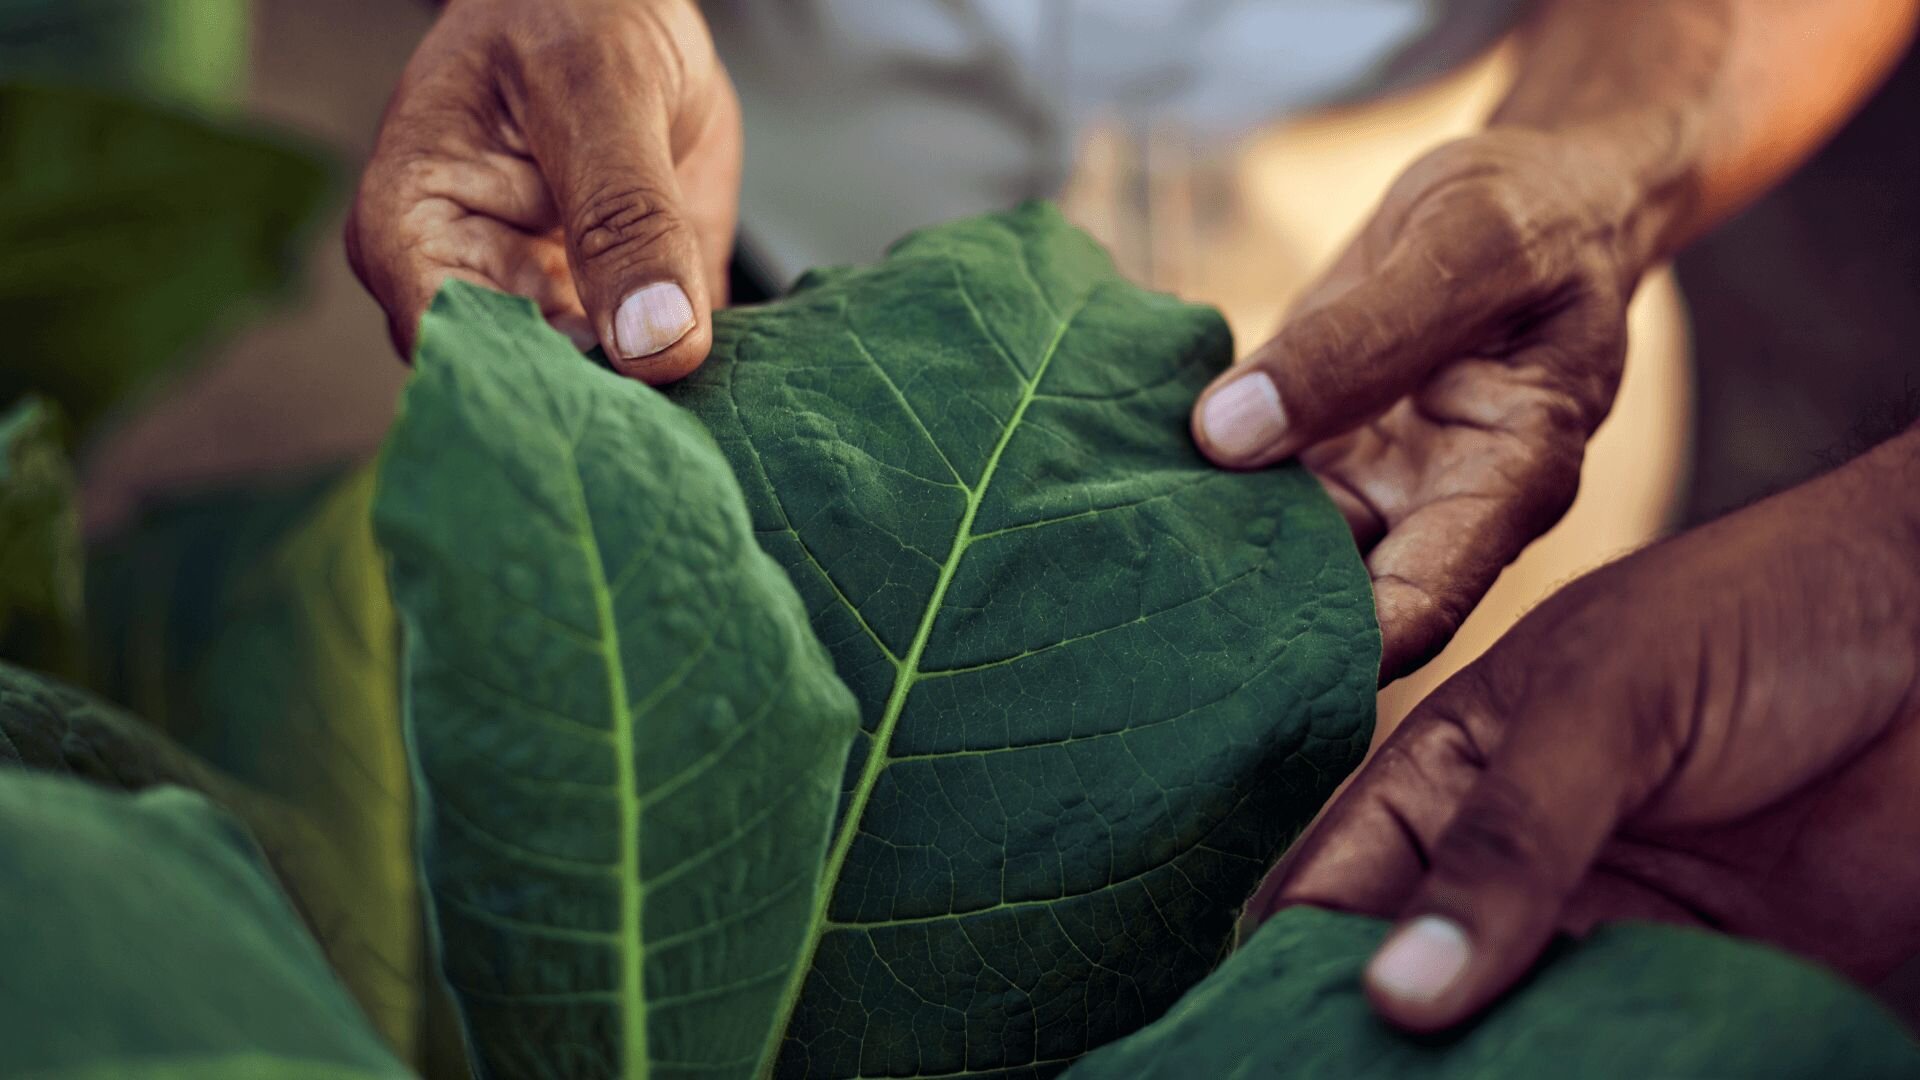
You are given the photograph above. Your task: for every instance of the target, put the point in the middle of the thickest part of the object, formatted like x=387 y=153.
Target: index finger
x=1368 y=849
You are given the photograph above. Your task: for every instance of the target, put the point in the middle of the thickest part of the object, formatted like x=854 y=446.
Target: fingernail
x=651 y=319
x=1244 y=417
x=1420 y=960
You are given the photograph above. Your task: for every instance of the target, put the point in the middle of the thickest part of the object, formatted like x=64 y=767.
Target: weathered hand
x=1722 y=730
x=1444 y=376
x=584 y=153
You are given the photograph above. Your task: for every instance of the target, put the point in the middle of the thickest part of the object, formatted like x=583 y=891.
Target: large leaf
x=144 y=939
x=255 y=628
x=1630 y=1000
x=629 y=738
x=1101 y=682
x=132 y=233
x=40 y=578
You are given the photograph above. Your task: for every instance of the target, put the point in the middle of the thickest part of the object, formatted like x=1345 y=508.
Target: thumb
x=635 y=255
x=1500 y=873
x=1342 y=360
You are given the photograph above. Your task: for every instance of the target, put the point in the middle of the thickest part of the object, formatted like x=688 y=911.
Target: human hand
x=583 y=153
x=1722 y=730
x=1442 y=379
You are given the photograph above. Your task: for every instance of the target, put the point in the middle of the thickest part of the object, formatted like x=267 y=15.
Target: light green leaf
x=629 y=738
x=144 y=940
x=132 y=233
x=40 y=608
x=1102 y=682
x=1631 y=1000
x=256 y=629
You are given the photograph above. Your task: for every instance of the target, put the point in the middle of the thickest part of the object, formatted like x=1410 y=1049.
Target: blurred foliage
x=256 y=629
x=192 y=51
x=132 y=234
x=40 y=609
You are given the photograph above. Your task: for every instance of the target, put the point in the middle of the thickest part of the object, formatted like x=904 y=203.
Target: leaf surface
x=152 y=943
x=1632 y=999
x=1101 y=682
x=629 y=738
x=40 y=562
x=132 y=233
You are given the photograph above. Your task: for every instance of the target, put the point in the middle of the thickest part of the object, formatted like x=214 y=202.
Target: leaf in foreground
x=1633 y=999
x=40 y=577
x=132 y=233
x=153 y=943
x=1101 y=681
x=629 y=738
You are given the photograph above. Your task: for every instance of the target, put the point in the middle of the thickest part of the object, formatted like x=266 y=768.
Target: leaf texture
x=1632 y=999
x=629 y=738
x=1101 y=682
x=144 y=940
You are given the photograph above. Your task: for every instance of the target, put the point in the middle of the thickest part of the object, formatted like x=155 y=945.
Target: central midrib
x=633 y=890
x=907 y=673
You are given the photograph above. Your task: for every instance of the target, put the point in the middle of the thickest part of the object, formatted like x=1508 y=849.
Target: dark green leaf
x=255 y=628
x=1102 y=682
x=144 y=939
x=131 y=234
x=40 y=609
x=629 y=738
x=1631 y=1000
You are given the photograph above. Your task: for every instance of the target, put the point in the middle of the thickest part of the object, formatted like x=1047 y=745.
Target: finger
x=439 y=240
x=1463 y=475
x=599 y=119
x=1368 y=848
x=1347 y=358
x=1502 y=870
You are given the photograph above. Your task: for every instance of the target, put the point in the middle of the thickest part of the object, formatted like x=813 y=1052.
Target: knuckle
x=617 y=221
x=1496 y=835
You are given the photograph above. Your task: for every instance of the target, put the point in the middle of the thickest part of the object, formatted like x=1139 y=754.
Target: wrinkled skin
x=571 y=151
x=1444 y=376
x=1721 y=730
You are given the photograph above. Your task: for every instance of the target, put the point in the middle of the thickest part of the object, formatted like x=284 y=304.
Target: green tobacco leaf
x=144 y=939
x=40 y=576
x=629 y=739
x=1101 y=681
x=256 y=629
x=131 y=234
x=1633 y=999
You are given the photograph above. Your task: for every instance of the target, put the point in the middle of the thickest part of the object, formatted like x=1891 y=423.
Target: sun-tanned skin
x=1723 y=729
x=1445 y=375
x=572 y=151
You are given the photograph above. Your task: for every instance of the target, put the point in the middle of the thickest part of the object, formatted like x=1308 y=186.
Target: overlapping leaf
x=1101 y=682
x=1630 y=1000
x=629 y=738
x=143 y=938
